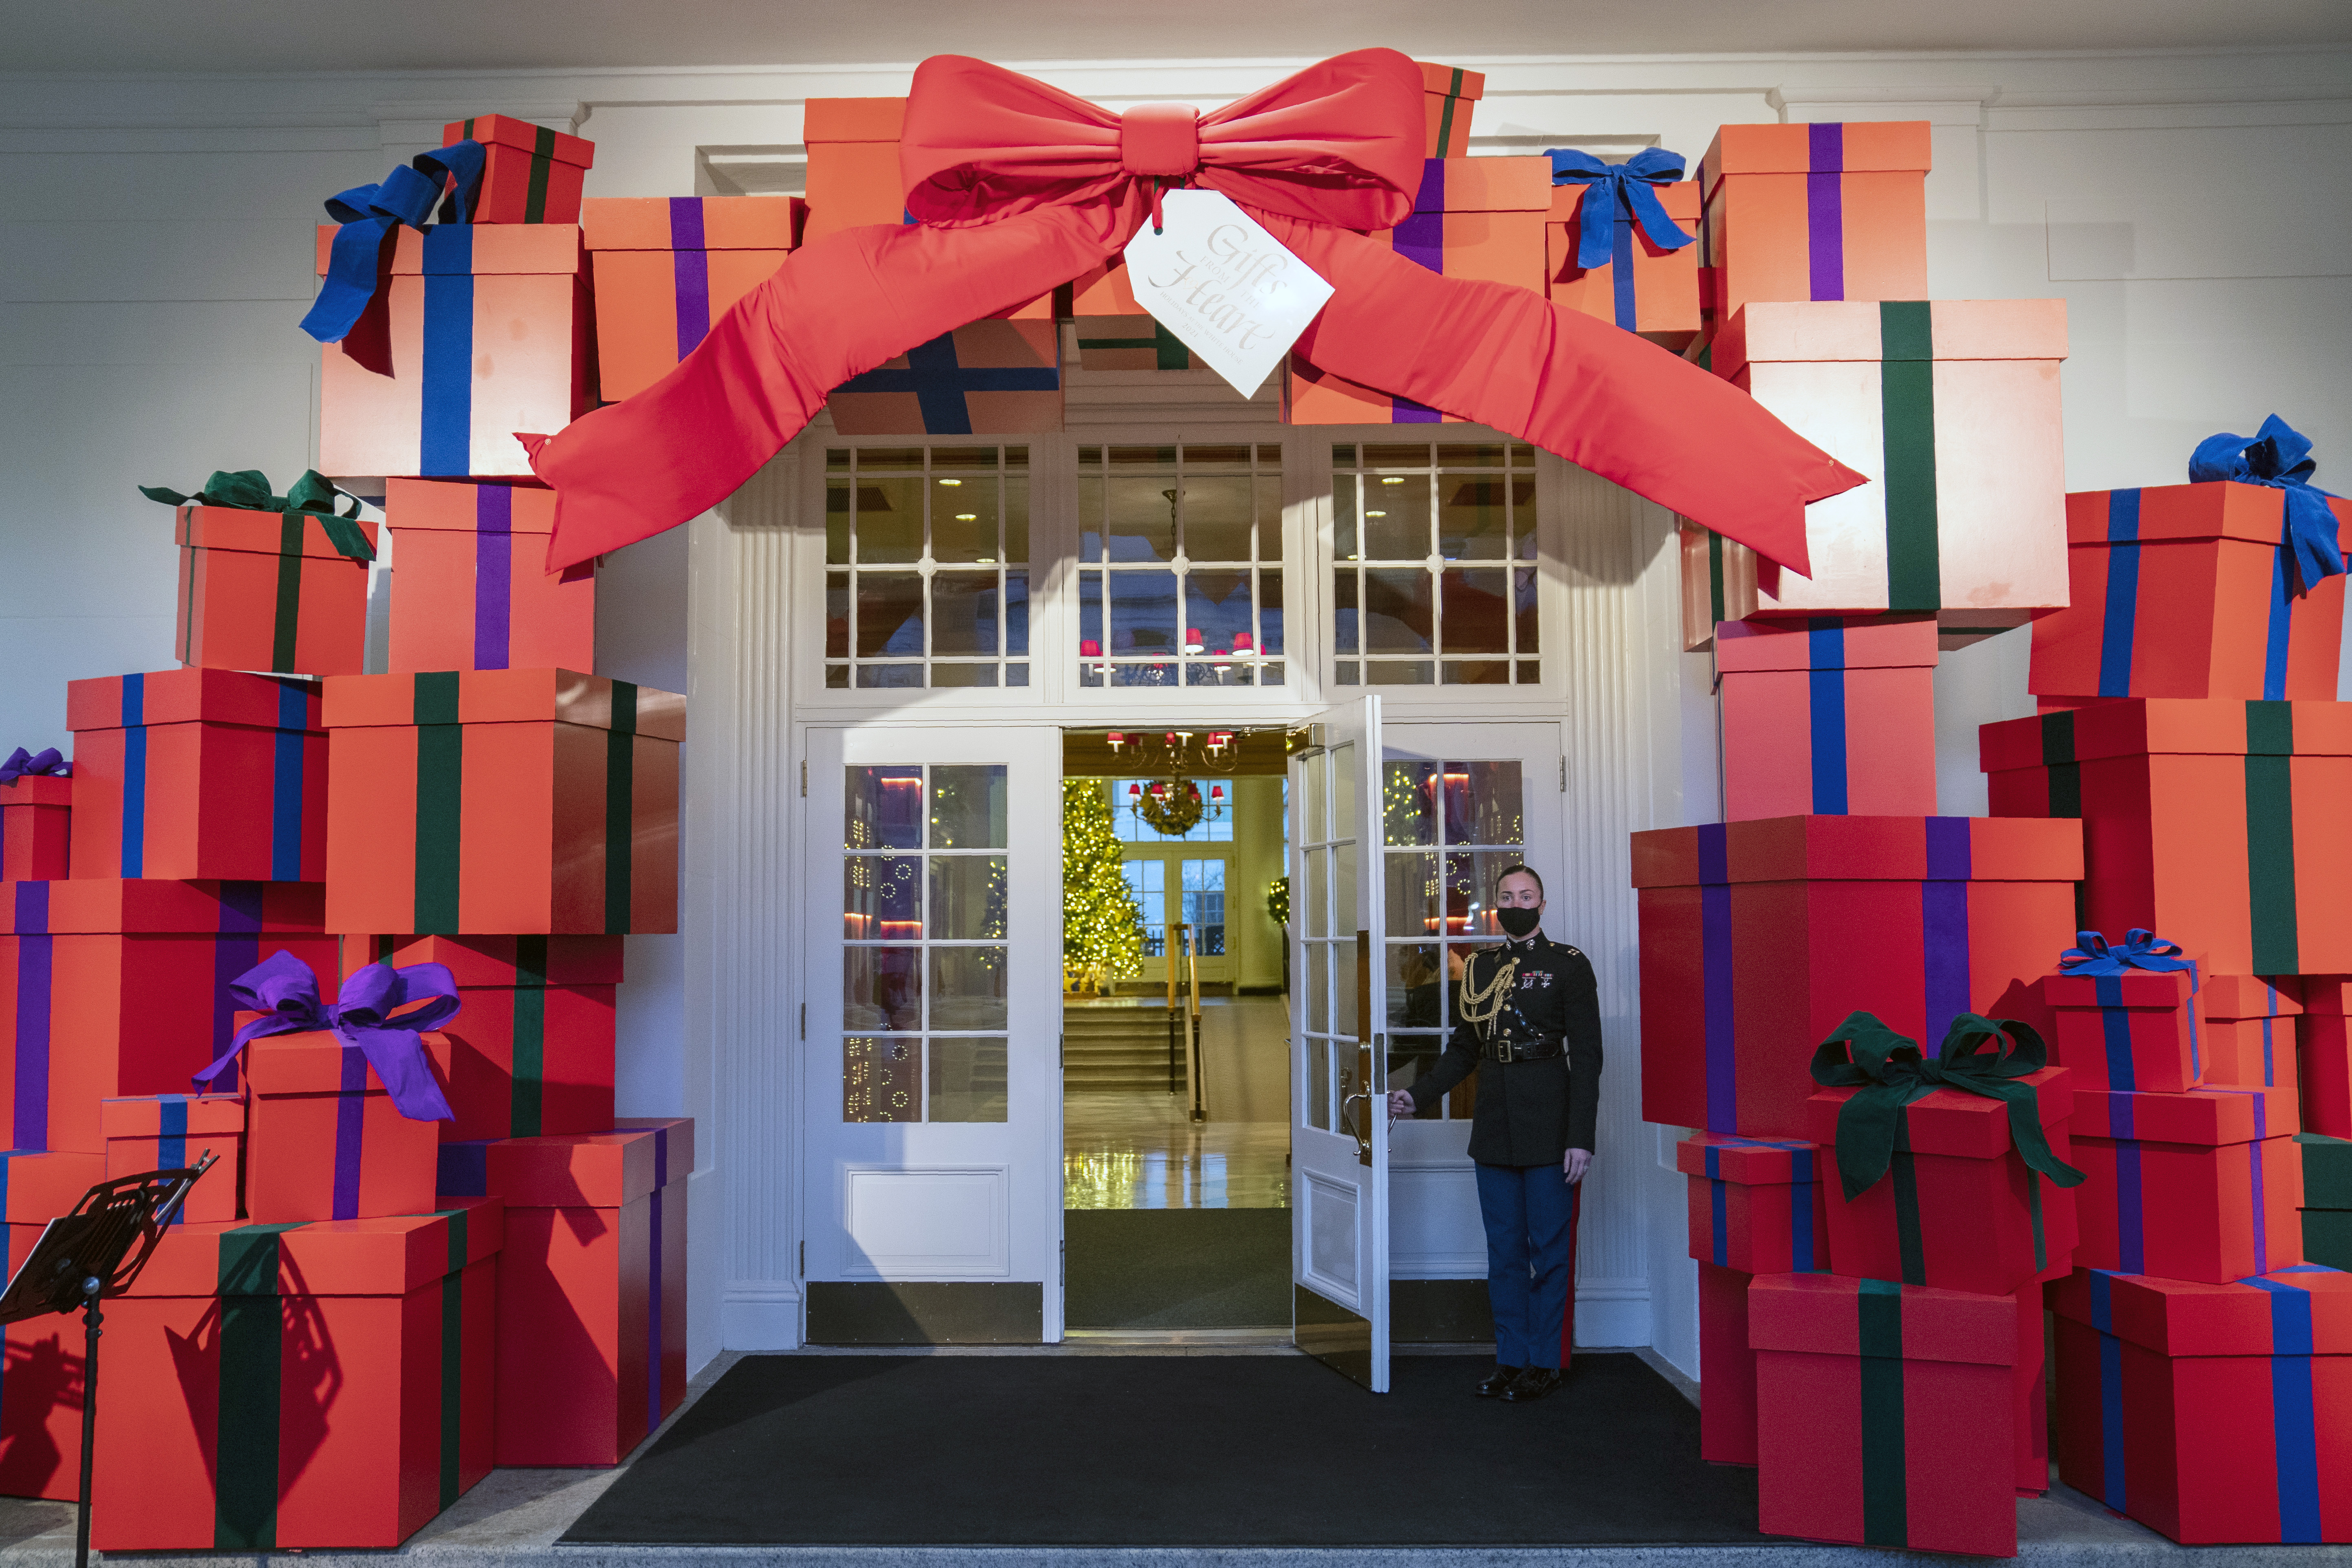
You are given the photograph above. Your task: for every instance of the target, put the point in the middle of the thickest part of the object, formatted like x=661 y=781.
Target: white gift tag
x=1232 y=291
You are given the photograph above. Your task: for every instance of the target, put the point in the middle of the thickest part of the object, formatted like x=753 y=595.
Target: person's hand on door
x=1399 y=1104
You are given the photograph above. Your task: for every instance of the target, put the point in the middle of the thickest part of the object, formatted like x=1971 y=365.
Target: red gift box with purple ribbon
x=1813 y=212
x=36 y=815
x=173 y=1132
x=1755 y=1203
x=665 y=267
x=2213 y=1413
x=473 y=591
x=2126 y=1016
x=1757 y=938
x=2201 y=1186
x=595 y=1239
x=2248 y=1030
x=1832 y=715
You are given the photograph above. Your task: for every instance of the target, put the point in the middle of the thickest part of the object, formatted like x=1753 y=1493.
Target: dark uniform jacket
x=1530 y=1113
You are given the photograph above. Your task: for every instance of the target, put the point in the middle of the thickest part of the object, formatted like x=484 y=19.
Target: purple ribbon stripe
x=1944 y=923
x=1715 y=963
x=493 y=574
x=35 y=959
x=350 y=1124
x=653 y=1278
x=691 y=268
x=1826 y=210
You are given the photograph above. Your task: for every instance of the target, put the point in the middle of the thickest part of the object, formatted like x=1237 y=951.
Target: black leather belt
x=1509 y=1050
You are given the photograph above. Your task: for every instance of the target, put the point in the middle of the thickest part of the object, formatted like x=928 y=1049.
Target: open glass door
x=1339 y=1129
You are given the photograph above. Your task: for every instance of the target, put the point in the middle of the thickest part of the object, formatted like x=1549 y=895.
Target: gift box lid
x=2302 y=1311
x=1817 y=331
x=497 y=962
x=852 y=119
x=188 y=1115
x=186 y=696
x=1873 y=146
x=1828 y=1314
x=691 y=223
x=1894 y=641
x=1747 y=1162
x=1484 y=185
x=2326 y=994
x=2161 y=990
x=2209 y=1114
x=107 y=907
x=2226 y=996
x=454 y=506
x=1678 y=197
x=1862 y=849
x=540 y=140
x=389 y=1257
x=504 y=696
x=1452 y=81
x=2166 y=727
x=262 y=533
x=1953 y=1121
x=2216 y=509
x=2327 y=1170
x=36 y=789
x=573 y=1170
x=36 y=1186
x=477 y=250
x=312 y=1062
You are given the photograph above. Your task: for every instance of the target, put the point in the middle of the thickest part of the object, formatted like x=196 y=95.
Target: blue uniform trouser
x=1529 y=1212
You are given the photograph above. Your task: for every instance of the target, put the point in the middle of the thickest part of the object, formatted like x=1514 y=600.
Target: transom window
x=926 y=566
x=1433 y=574
x=1180 y=566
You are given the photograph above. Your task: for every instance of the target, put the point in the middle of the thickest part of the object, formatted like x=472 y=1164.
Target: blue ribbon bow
x=1620 y=187
x=285 y=991
x=24 y=763
x=2141 y=950
x=371 y=213
x=2280 y=457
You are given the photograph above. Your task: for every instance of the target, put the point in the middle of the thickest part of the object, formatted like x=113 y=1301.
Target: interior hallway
x=1138 y=1147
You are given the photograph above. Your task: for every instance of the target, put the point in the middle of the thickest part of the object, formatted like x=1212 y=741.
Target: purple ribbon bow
x=2141 y=950
x=24 y=763
x=283 y=989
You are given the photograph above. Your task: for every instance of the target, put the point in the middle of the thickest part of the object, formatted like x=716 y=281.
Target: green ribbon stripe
x=1886 y=1486
x=1715 y=580
x=1445 y=118
x=1907 y=406
x=620 y=800
x=529 y=1073
x=252 y=1349
x=452 y=1355
x=542 y=163
x=2269 y=837
x=1172 y=355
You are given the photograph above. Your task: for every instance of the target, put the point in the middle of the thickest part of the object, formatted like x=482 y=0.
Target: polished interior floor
x=1141 y=1149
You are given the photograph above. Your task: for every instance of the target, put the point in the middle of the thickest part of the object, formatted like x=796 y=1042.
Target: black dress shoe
x=1499 y=1381
x=1533 y=1384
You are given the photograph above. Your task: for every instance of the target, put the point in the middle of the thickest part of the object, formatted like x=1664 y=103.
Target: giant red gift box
x=112 y=988
x=1814 y=213
x=2201 y=1186
x=172 y=1131
x=269 y=590
x=592 y=1285
x=2182 y=590
x=198 y=773
x=2211 y=1412
x=853 y=163
x=2325 y=1044
x=1002 y=376
x=1643 y=287
x=2135 y=1031
x=2248 y=1033
x=470 y=588
x=1755 y=1203
x=488 y=336
x=272 y=1387
x=503 y=801
x=1878 y=1408
x=1726 y=1397
x=2223 y=824
x=1450 y=94
x=530 y=174
x=325 y=1141
x=36 y=820
x=1829 y=717
x=1758 y=939
x=665 y=267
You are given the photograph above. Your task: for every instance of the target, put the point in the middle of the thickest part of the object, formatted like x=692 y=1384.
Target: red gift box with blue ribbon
x=2126 y=1016
x=1831 y=715
x=1755 y=1203
x=173 y=1132
x=2248 y=1027
x=2200 y=1186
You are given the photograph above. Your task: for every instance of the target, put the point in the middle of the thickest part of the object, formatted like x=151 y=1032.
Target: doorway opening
x=1176 y=1043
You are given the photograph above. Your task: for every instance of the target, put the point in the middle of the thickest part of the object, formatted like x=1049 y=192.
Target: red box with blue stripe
x=2249 y=1031
x=2202 y=1186
x=324 y=1140
x=2211 y=1412
x=273 y=1386
x=472 y=591
x=198 y=774
x=1758 y=938
x=2186 y=590
x=1755 y=1203
x=596 y=1249
x=665 y=267
x=998 y=377
x=2136 y=1031
x=172 y=1131
x=111 y=988
x=1829 y=717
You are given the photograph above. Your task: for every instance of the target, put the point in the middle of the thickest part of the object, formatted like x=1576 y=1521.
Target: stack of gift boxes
x=360 y=1308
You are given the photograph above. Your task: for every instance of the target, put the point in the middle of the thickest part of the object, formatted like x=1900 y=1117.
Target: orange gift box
x=1642 y=288
x=2199 y=1186
x=1831 y=717
x=998 y=377
x=531 y=174
x=2223 y=824
x=2182 y=590
x=470 y=588
x=198 y=774
x=488 y=336
x=1451 y=94
x=111 y=988
x=269 y=590
x=325 y=1140
x=275 y=1387
x=1114 y=332
x=2326 y=1051
x=2248 y=1035
x=172 y=1131
x=853 y=163
x=592 y=1285
x=1814 y=212
x=36 y=825
x=503 y=801
x=665 y=267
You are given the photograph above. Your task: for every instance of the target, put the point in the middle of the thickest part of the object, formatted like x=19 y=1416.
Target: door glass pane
x=1318 y=1094
x=1482 y=803
x=963 y=614
x=1318 y=785
x=1407 y=813
x=881 y=988
x=968 y=808
x=1412 y=893
x=1318 y=986
x=967 y=898
x=1344 y=1020
x=882 y=898
x=967 y=1078
x=1343 y=794
x=1412 y=1058
x=881 y=1079
x=968 y=987
x=1314 y=904
x=884 y=809
x=1416 y=986
x=1470 y=889
x=1147 y=885
x=1346 y=915
x=1205 y=906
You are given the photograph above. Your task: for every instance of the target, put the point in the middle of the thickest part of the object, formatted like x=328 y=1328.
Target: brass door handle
x=1363 y=1144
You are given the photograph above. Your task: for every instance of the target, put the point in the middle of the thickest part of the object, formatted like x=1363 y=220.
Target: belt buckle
x=1502 y=1052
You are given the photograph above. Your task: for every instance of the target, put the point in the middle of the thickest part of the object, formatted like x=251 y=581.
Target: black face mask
x=1518 y=921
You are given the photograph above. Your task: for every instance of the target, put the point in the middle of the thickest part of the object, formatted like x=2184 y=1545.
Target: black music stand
x=93 y=1252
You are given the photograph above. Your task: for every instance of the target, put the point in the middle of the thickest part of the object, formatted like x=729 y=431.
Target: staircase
x=1115 y=1047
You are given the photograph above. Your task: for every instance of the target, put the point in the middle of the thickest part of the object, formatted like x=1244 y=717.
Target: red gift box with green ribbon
x=2247 y=1029
x=530 y=174
x=283 y=1386
x=172 y=1131
x=596 y=1239
x=198 y=773
x=2211 y=1412
x=1755 y=1203
x=269 y=581
x=36 y=815
x=110 y=987
x=503 y=801
x=474 y=591
x=2201 y=1186
x=2126 y=1016
x=1883 y=1412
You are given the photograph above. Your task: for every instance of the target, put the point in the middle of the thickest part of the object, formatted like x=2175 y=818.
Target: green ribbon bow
x=247 y=490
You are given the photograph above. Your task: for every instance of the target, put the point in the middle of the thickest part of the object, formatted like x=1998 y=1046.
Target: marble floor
x=1141 y=1150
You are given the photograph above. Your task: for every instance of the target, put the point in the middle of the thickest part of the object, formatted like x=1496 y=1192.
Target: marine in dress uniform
x=1526 y=1019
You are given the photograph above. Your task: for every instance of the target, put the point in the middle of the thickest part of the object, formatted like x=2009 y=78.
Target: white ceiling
x=233 y=36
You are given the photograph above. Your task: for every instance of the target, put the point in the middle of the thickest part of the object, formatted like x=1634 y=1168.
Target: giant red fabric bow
x=1018 y=187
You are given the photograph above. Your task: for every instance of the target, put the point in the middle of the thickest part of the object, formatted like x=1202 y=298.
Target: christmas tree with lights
x=1102 y=931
